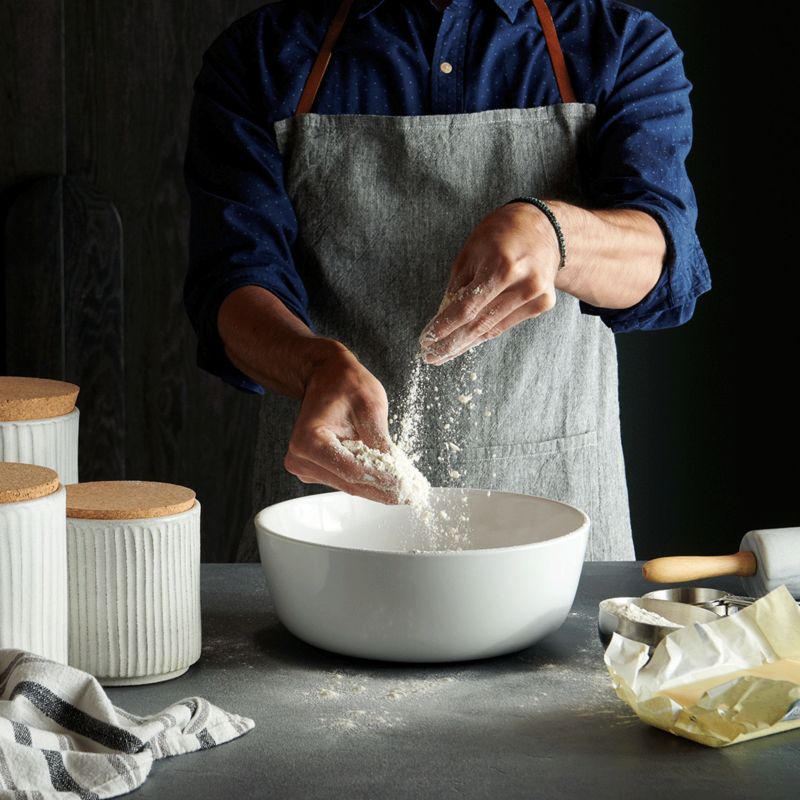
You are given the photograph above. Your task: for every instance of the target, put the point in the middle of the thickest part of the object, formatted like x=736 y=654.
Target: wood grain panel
x=130 y=70
x=34 y=286
x=31 y=103
x=64 y=308
x=93 y=326
x=31 y=111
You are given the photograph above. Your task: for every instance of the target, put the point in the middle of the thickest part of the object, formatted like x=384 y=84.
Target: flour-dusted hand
x=339 y=398
x=504 y=274
x=342 y=401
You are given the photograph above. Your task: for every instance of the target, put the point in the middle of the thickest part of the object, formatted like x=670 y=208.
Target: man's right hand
x=340 y=398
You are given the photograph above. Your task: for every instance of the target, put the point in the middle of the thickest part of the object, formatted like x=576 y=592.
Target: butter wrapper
x=718 y=683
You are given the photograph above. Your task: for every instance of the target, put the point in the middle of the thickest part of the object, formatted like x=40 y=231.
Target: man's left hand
x=504 y=274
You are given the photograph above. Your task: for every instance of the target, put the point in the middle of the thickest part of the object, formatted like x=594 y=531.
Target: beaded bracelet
x=548 y=212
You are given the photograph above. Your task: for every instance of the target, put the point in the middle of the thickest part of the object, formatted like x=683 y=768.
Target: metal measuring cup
x=610 y=620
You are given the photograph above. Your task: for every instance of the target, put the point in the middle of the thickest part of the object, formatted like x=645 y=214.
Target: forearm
x=614 y=257
x=269 y=344
x=340 y=399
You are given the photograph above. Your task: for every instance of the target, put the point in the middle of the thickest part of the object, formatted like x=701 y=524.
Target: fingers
x=374 y=432
x=482 y=323
x=465 y=304
x=342 y=401
x=324 y=450
x=494 y=327
x=311 y=472
x=328 y=462
x=366 y=417
x=474 y=310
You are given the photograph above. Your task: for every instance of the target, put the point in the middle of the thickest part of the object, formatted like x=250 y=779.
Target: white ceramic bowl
x=342 y=578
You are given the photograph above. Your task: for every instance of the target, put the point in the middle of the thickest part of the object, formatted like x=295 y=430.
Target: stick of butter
x=720 y=682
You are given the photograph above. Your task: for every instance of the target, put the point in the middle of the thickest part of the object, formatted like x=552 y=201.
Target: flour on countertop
x=358 y=703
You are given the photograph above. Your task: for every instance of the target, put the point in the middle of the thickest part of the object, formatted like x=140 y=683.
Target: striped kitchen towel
x=60 y=736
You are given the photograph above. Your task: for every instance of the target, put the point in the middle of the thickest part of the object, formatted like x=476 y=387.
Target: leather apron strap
x=554 y=49
x=323 y=57
x=337 y=23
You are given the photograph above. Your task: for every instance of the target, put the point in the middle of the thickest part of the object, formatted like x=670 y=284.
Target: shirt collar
x=508 y=7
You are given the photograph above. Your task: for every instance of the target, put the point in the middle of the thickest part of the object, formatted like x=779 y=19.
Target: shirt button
x=446 y=67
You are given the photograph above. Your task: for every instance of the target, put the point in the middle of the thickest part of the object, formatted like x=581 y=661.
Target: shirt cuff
x=684 y=277
x=211 y=355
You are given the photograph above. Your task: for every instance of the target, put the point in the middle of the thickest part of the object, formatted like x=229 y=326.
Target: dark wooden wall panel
x=33 y=285
x=31 y=103
x=31 y=90
x=130 y=68
x=64 y=307
x=93 y=331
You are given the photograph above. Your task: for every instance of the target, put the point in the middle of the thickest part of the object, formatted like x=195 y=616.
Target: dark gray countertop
x=541 y=723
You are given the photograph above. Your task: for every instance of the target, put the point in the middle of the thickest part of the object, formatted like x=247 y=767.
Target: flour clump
x=412 y=486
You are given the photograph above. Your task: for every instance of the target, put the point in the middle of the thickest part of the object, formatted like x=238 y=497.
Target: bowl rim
x=581 y=530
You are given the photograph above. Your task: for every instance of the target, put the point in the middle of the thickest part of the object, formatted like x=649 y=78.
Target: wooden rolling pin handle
x=676 y=569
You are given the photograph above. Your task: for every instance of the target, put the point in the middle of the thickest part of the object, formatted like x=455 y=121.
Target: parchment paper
x=747 y=666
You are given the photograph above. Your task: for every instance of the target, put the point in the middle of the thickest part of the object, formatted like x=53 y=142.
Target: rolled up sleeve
x=242 y=225
x=643 y=134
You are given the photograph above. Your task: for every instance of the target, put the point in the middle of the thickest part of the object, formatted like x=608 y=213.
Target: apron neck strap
x=554 y=50
x=337 y=23
x=323 y=57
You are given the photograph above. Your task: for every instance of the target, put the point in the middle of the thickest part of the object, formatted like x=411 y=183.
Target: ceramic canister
x=33 y=561
x=134 y=580
x=39 y=424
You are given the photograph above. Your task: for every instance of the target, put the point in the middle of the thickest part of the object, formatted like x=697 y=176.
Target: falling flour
x=437 y=404
x=432 y=400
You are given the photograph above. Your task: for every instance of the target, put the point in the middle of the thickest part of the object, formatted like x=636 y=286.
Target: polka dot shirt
x=409 y=57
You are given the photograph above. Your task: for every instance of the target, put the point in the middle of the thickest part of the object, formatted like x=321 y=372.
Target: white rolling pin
x=766 y=559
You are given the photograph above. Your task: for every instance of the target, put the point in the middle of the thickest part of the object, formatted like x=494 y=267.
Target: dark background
x=100 y=90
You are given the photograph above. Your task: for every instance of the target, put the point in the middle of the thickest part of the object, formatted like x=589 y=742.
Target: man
x=352 y=163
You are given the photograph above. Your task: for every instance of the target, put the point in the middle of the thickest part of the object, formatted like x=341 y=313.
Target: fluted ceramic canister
x=33 y=561
x=39 y=424
x=133 y=552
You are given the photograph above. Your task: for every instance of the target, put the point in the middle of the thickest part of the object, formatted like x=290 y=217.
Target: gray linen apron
x=384 y=205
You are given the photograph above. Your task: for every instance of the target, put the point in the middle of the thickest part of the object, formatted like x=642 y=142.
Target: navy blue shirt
x=386 y=61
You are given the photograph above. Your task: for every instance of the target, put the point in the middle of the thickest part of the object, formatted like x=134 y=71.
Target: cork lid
x=35 y=398
x=25 y=482
x=127 y=499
